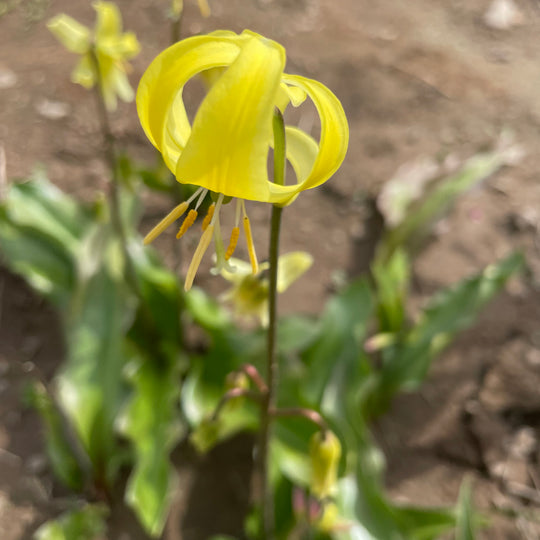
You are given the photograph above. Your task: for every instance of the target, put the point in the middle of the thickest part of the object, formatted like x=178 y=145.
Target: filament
x=204 y=242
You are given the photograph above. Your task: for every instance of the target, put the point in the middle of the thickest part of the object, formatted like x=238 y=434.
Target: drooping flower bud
x=236 y=379
x=325 y=453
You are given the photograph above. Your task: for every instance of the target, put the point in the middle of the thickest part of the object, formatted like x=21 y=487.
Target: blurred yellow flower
x=107 y=44
x=226 y=149
x=177 y=6
x=249 y=293
x=324 y=453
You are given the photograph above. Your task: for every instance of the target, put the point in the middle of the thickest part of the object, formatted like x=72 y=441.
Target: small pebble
x=8 y=79
x=53 y=110
x=37 y=464
x=503 y=15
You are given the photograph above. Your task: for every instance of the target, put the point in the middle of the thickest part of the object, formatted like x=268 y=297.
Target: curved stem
x=234 y=393
x=272 y=371
x=113 y=191
x=308 y=414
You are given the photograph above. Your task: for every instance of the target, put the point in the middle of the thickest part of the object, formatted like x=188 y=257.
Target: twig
x=233 y=394
x=308 y=414
x=251 y=371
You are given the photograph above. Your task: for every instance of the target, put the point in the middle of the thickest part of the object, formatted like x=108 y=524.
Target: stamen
x=235 y=233
x=197 y=257
x=201 y=198
x=196 y=194
x=250 y=246
x=170 y=218
x=187 y=223
x=208 y=216
x=221 y=262
x=239 y=206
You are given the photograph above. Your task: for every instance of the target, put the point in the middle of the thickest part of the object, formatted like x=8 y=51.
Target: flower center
x=211 y=229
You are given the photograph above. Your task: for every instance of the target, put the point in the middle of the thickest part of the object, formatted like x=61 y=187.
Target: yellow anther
x=197 y=257
x=165 y=222
x=251 y=246
x=235 y=233
x=187 y=223
x=208 y=216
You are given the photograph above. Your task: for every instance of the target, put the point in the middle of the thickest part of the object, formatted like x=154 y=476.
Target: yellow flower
x=107 y=44
x=324 y=453
x=226 y=149
x=177 y=6
x=249 y=293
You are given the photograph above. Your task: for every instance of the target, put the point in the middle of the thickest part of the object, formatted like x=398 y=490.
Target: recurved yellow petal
x=84 y=72
x=163 y=82
x=123 y=47
x=74 y=36
x=334 y=130
x=109 y=22
x=290 y=267
x=302 y=150
x=228 y=147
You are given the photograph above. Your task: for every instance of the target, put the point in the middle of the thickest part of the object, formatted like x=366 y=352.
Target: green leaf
x=450 y=312
x=91 y=386
x=339 y=343
x=158 y=324
x=296 y=332
x=206 y=312
x=436 y=202
x=40 y=233
x=424 y=523
x=392 y=283
x=201 y=394
x=59 y=443
x=85 y=523
x=46 y=265
x=151 y=423
x=41 y=205
x=465 y=513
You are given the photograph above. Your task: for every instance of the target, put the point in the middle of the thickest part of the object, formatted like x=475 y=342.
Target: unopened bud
x=325 y=453
x=236 y=379
x=379 y=341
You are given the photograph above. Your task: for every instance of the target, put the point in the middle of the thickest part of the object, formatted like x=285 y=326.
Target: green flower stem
x=272 y=371
x=113 y=191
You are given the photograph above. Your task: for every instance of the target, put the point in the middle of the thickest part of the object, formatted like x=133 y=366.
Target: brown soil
x=417 y=78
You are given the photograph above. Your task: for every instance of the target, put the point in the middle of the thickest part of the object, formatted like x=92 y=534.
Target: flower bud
x=325 y=453
x=236 y=379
